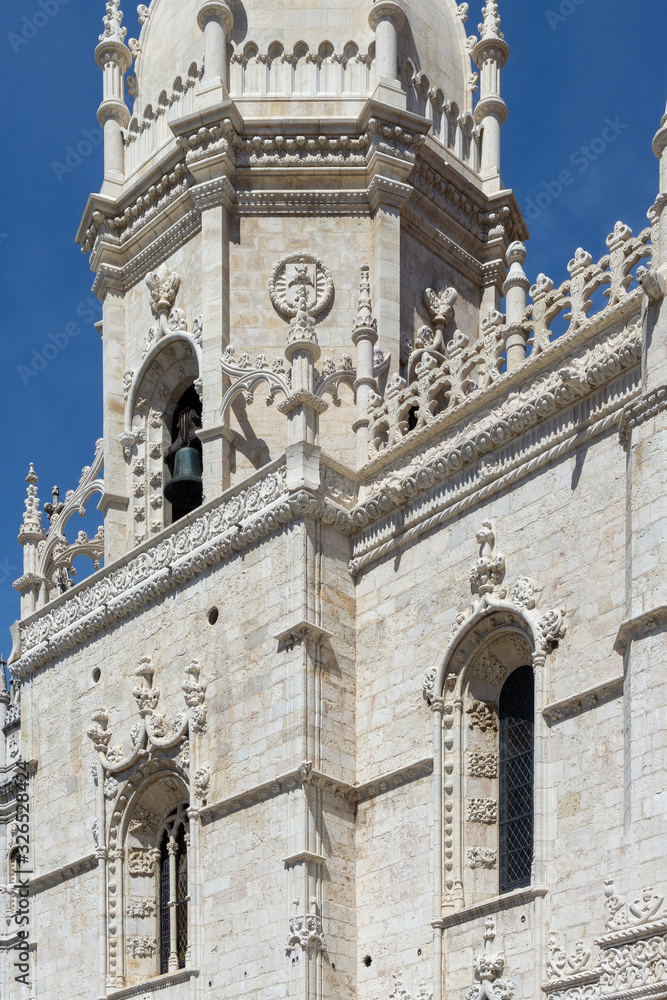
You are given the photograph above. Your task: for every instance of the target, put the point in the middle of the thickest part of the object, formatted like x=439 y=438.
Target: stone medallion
x=300 y=271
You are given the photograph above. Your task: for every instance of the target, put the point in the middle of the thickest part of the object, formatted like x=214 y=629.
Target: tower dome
x=303 y=59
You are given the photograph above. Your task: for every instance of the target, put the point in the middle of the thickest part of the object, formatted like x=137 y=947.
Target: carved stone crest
x=294 y=273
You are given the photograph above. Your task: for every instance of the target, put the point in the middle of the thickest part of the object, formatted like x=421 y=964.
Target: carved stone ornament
x=481 y=811
x=399 y=991
x=483 y=717
x=141 y=907
x=482 y=765
x=142 y=946
x=481 y=857
x=305 y=932
x=153 y=731
x=489 y=968
x=141 y=862
x=632 y=954
x=489 y=570
x=295 y=272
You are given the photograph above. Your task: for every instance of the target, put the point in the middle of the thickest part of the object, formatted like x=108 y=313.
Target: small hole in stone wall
x=210 y=982
x=368 y=961
x=523 y=920
x=333 y=966
x=213 y=616
x=419 y=951
x=97 y=673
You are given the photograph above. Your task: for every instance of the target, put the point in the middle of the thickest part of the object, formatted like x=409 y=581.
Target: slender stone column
x=303 y=407
x=114 y=59
x=516 y=291
x=216 y=20
x=438 y=709
x=490 y=55
x=173 y=923
x=660 y=150
x=364 y=337
x=386 y=18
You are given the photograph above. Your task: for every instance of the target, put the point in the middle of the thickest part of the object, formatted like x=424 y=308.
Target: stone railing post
x=516 y=292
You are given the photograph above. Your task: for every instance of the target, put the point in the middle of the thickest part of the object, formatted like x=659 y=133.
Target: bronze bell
x=185 y=489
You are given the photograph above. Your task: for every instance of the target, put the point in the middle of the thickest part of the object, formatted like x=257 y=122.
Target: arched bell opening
x=184 y=490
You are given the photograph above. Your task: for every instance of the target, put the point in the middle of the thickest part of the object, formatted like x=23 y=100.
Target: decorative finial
x=32 y=518
x=113 y=23
x=54 y=509
x=365 y=319
x=490 y=28
x=302 y=326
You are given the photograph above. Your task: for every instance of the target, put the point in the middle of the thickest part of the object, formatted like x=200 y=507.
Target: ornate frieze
x=632 y=954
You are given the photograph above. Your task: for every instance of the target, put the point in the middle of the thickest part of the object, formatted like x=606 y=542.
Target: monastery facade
x=362 y=698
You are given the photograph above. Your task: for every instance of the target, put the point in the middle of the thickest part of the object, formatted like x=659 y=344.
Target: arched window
x=174 y=896
x=184 y=457
x=516 y=711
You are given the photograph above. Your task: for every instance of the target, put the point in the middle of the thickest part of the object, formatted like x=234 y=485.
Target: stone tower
x=363 y=698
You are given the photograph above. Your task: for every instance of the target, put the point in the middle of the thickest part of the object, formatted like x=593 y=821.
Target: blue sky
x=580 y=73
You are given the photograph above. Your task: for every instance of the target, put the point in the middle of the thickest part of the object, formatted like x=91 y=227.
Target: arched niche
x=138 y=926
x=489 y=642
x=170 y=368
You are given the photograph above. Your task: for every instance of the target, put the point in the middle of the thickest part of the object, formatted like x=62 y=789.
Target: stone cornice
x=518 y=897
x=62 y=874
x=304 y=775
x=334 y=166
x=591 y=698
x=161 y=565
x=640 y=626
x=426 y=510
x=162 y=982
x=647 y=406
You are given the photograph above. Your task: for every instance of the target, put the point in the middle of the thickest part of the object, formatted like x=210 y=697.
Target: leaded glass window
x=515 y=814
x=173 y=889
